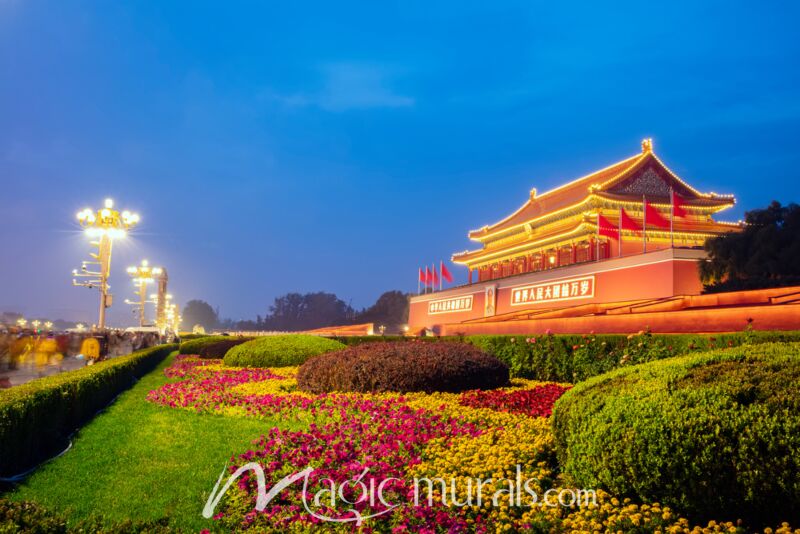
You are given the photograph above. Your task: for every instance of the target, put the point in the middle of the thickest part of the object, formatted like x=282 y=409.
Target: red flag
x=422 y=277
x=445 y=273
x=434 y=277
x=654 y=217
x=428 y=277
x=628 y=223
x=605 y=228
x=678 y=204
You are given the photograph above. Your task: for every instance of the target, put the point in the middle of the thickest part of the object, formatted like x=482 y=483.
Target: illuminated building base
x=658 y=290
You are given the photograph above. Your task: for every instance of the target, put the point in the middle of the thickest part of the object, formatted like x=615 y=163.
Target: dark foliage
x=194 y=345
x=295 y=312
x=753 y=282
x=403 y=367
x=715 y=434
x=36 y=418
x=199 y=312
x=765 y=254
x=217 y=349
x=390 y=310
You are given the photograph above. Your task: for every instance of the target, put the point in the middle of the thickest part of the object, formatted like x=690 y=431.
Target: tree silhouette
x=200 y=312
x=294 y=311
x=765 y=254
x=390 y=310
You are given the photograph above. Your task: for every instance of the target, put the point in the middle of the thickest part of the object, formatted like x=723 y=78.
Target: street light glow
x=143 y=275
x=106 y=225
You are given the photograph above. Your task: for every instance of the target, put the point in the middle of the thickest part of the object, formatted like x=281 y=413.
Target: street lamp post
x=172 y=317
x=142 y=275
x=163 y=303
x=105 y=225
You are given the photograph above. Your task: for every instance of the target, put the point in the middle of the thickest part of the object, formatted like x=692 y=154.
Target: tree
x=390 y=310
x=766 y=253
x=200 y=312
x=294 y=311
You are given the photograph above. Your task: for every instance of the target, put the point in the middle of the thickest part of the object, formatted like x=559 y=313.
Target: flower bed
x=397 y=438
x=537 y=402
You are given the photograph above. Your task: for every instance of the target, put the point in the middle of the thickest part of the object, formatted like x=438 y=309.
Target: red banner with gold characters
x=451 y=305
x=566 y=289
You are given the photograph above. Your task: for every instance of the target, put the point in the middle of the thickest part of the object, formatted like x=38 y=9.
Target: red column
x=591 y=249
x=574 y=253
x=470 y=275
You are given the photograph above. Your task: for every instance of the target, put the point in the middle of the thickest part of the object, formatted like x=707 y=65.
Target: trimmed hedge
x=218 y=349
x=29 y=517
x=358 y=340
x=572 y=358
x=193 y=346
x=714 y=434
x=36 y=418
x=189 y=336
x=279 y=351
x=403 y=367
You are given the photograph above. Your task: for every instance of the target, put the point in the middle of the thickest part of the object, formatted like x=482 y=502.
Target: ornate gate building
x=630 y=233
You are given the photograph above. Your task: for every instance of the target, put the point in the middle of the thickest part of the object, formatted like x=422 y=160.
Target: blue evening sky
x=294 y=146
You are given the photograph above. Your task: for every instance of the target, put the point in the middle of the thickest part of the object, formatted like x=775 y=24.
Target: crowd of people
x=24 y=349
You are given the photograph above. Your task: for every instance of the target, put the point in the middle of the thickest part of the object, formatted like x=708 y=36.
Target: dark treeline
x=766 y=253
x=296 y=311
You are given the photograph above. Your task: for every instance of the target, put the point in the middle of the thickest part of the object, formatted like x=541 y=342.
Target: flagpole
x=441 y=276
x=671 y=217
x=428 y=281
x=644 y=224
x=419 y=275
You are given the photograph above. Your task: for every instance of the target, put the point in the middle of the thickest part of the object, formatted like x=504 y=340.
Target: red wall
x=734 y=319
x=645 y=276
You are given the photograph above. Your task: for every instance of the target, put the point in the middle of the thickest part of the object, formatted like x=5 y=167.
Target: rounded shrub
x=403 y=367
x=279 y=351
x=711 y=434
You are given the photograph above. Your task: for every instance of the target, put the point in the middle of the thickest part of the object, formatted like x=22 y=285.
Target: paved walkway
x=27 y=371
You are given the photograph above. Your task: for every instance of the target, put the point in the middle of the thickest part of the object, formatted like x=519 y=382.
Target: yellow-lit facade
x=559 y=227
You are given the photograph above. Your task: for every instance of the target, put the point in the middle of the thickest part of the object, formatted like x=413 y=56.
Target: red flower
x=536 y=402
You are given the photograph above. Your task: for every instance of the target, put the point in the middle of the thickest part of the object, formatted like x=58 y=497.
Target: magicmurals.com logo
x=361 y=489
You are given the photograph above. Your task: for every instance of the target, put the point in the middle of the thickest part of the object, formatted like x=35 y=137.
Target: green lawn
x=139 y=460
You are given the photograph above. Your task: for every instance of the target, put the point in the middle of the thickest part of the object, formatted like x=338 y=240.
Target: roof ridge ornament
x=647 y=145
